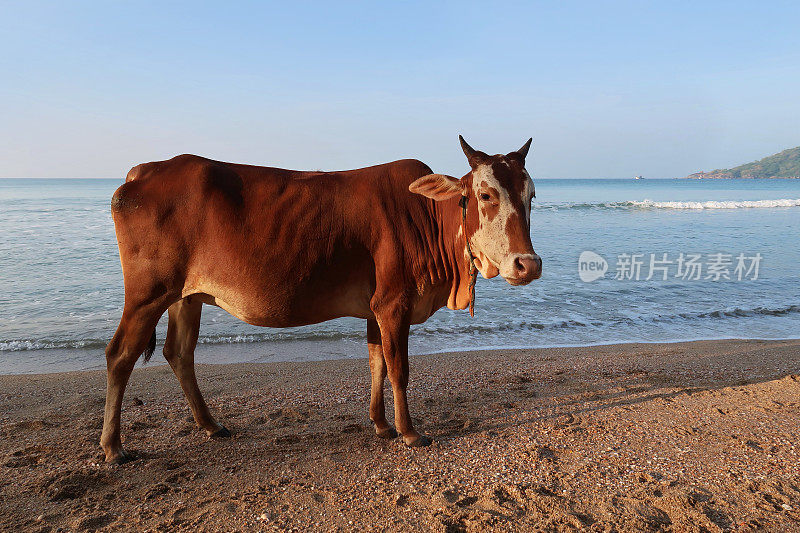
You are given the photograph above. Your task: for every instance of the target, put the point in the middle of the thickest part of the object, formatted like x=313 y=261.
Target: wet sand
x=701 y=436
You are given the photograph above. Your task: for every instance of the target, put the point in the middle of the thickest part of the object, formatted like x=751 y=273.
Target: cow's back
x=275 y=247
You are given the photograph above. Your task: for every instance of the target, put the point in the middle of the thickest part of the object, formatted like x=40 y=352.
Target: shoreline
x=299 y=351
x=687 y=436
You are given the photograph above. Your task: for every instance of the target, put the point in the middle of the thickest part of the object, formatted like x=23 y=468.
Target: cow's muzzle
x=525 y=268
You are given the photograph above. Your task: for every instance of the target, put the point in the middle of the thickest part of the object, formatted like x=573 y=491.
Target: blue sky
x=606 y=89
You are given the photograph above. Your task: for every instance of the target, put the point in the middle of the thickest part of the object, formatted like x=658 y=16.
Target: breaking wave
x=271 y=335
x=651 y=204
x=712 y=204
x=22 y=345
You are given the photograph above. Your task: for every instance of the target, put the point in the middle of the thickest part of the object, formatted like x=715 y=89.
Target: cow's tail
x=151 y=347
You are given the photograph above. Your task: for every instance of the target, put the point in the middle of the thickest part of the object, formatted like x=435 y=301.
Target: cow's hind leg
x=182 y=332
x=135 y=334
x=377 y=366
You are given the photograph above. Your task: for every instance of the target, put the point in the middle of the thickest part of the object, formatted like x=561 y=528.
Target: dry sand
x=698 y=436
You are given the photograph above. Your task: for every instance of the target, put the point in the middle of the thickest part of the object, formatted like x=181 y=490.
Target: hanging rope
x=473 y=271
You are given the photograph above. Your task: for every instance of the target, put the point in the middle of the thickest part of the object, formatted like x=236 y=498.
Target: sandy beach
x=700 y=436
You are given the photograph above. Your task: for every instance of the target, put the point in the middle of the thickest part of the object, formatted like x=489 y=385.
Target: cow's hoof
x=386 y=433
x=221 y=433
x=118 y=458
x=417 y=441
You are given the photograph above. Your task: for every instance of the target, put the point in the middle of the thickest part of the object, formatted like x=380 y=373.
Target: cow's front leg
x=394 y=340
x=377 y=367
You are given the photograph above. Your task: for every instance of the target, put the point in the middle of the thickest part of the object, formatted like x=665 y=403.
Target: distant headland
x=785 y=164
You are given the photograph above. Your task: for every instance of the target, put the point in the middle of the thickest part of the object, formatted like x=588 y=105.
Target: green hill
x=785 y=164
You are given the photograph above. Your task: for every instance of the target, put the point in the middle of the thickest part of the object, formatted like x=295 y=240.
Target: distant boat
x=638 y=178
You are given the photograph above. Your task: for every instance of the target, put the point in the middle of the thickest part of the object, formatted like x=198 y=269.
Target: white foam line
x=714 y=204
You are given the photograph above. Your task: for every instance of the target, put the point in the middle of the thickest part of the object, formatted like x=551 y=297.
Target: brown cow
x=283 y=248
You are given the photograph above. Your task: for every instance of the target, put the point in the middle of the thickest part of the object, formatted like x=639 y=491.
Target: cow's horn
x=524 y=150
x=468 y=150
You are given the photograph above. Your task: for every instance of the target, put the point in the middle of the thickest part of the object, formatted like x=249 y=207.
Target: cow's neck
x=454 y=253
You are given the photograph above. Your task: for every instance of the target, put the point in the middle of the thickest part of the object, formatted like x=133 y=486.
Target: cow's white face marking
x=491 y=242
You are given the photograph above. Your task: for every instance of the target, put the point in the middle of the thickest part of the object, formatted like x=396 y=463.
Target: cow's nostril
x=520 y=266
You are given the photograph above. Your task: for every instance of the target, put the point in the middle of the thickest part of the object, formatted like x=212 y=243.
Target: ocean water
x=62 y=294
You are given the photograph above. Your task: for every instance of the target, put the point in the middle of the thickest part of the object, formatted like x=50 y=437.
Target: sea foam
x=717 y=204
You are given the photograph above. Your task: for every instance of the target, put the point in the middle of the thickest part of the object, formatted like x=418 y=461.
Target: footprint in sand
x=72 y=485
x=287 y=439
x=95 y=522
x=20 y=458
x=289 y=416
x=352 y=428
x=546 y=453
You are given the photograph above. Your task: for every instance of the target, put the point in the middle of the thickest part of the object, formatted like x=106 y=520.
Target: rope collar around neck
x=473 y=271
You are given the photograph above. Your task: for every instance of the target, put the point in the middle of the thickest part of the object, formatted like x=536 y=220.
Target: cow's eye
x=485 y=197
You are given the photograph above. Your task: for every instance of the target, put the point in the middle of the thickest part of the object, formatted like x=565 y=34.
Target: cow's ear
x=436 y=186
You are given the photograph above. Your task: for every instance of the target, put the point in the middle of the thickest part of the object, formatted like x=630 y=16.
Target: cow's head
x=499 y=192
